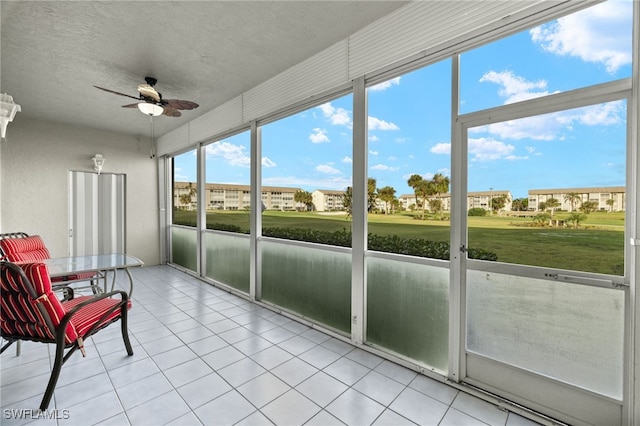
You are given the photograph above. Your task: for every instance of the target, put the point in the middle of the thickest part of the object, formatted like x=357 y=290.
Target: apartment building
x=606 y=198
x=327 y=200
x=223 y=196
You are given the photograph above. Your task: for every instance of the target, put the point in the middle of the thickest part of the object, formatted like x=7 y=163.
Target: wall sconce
x=8 y=110
x=98 y=162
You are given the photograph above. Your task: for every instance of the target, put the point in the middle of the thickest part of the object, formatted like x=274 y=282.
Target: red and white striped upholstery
x=27 y=249
x=32 y=249
x=37 y=315
x=30 y=311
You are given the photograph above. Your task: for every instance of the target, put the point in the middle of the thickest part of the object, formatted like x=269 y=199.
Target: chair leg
x=18 y=347
x=125 y=330
x=55 y=374
x=6 y=345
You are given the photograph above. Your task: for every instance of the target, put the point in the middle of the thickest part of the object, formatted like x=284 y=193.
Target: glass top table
x=99 y=263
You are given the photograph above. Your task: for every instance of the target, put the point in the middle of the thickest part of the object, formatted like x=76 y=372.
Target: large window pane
x=551 y=188
x=408 y=310
x=570 y=332
x=306 y=169
x=228 y=185
x=185 y=199
x=228 y=259
x=409 y=130
x=310 y=281
x=184 y=247
x=585 y=48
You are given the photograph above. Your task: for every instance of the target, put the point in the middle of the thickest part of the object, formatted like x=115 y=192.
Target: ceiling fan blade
x=170 y=112
x=116 y=93
x=180 y=104
x=131 y=105
x=148 y=91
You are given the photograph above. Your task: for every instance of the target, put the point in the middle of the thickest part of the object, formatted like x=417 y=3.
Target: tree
x=572 y=198
x=520 y=204
x=440 y=184
x=435 y=205
x=304 y=197
x=498 y=202
x=371 y=194
x=541 y=218
x=387 y=195
x=610 y=203
x=551 y=204
x=347 y=201
x=575 y=218
x=187 y=197
x=423 y=189
x=589 y=206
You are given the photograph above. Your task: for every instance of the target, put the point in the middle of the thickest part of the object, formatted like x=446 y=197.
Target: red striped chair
x=18 y=247
x=30 y=311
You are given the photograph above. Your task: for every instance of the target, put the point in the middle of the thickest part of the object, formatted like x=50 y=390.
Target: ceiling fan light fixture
x=150 y=109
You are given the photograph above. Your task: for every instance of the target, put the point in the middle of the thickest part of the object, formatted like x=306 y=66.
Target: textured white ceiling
x=52 y=53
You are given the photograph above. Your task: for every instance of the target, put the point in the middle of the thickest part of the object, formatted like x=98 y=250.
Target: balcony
x=205 y=356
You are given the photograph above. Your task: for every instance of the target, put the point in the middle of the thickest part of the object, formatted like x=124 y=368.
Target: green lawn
x=597 y=246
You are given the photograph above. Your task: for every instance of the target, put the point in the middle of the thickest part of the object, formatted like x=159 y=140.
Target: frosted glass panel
x=312 y=282
x=408 y=310
x=570 y=332
x=228 y=259
x=183 y=247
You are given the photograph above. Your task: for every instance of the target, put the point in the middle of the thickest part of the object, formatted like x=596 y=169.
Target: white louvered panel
x=422 y=26
x=321 y=72
x=227 y=116
x=173 y=141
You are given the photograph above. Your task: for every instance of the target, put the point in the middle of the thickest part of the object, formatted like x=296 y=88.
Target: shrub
x=385 y=243
x=225 y=227
x=477 y=211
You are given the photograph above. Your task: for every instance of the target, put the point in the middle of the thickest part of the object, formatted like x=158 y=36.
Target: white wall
x=35 y=161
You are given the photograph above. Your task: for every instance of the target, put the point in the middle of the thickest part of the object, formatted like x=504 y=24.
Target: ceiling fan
x=150 y=101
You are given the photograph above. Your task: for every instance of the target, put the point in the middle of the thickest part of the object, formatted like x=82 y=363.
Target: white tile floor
x=204 y=356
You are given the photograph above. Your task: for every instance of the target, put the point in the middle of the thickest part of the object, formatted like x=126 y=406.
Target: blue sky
x=409 y=119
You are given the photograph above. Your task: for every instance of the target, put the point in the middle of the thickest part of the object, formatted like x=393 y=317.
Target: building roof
x=578 y=190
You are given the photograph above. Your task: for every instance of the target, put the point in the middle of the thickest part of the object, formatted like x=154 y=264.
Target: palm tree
x=572 y=198
x=422 y=188
x=387 y=194
x=440 y=186
x=304 y=197
x=610 y=203
x=187 y=197
x=551 y=204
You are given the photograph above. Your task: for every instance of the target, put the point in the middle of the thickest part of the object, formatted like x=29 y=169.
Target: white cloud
x=372 y=152
x=373 y=138
x=377 y=124
x=599 y=34
x=234 y=155
x=319 y=136
x=515 y=88
x=384 y=167
x=427 y=176
x=267 y=162
x=347 y=160
x=441 y=148
x=392 y=158
x=554 y=126
x=488 y=149
x=326 y=168
x=385 y=85
x=336 y=116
